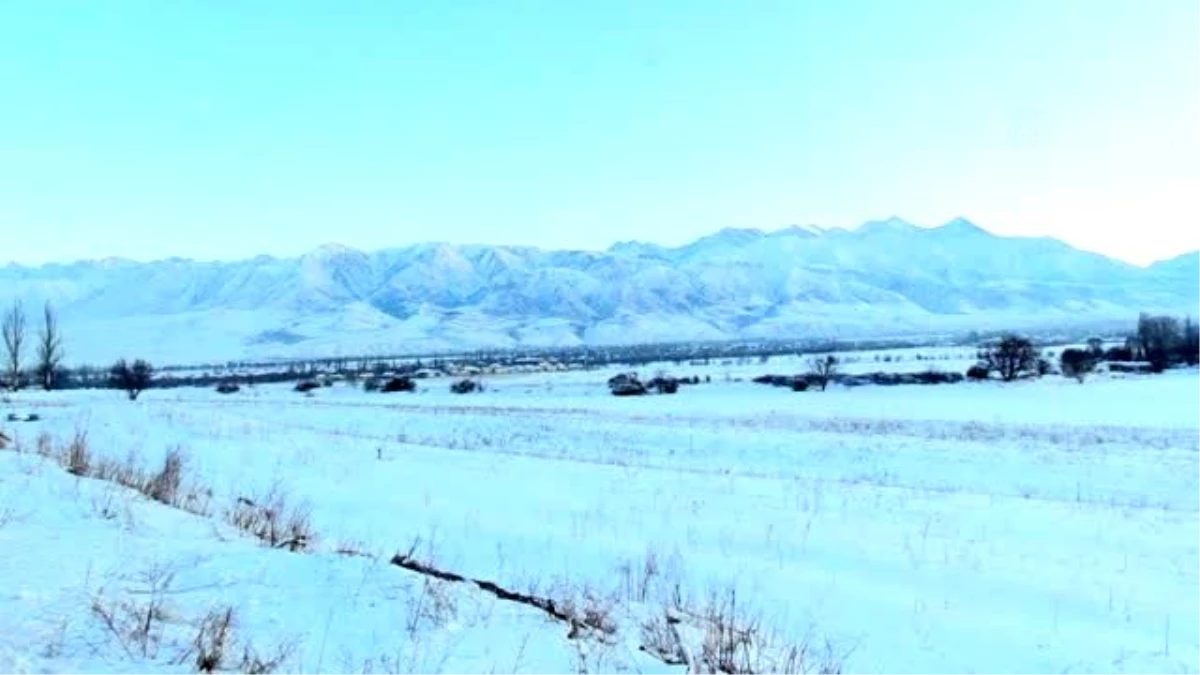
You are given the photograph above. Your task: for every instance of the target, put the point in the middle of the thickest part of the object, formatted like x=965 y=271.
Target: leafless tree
x=13 y=330
x=1161 y=338
x=49 y=349
x=1191 y=342
x=1011 y=357
x=822 y=369
x=132 y=379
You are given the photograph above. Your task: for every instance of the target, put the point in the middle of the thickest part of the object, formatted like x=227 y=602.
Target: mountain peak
x=961 y=225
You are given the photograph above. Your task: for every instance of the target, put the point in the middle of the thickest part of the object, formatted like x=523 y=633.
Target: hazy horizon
x=148 y=131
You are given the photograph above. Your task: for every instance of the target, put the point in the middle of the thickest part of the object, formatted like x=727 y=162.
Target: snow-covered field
x=1035 y=526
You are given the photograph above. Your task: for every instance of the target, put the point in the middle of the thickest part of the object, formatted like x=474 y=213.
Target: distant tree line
x=36 y=359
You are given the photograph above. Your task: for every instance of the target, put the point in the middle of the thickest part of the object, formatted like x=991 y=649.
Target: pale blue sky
x=215 y=129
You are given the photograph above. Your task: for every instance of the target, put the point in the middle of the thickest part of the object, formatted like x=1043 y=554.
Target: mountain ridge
x=885 y=277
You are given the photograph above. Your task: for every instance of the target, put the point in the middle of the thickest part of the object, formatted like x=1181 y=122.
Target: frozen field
x=1036 y=527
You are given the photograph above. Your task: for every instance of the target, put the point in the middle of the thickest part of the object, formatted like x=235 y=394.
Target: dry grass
x=718 y=636
x=138 y=627
x=77 y=457
x=164 y=486
x=273 y=520
x=434 y=607
x=214 y=640
x=736 y=643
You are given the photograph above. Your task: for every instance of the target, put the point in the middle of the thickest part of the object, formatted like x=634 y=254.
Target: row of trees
x=1164 y=341
x=132 y=378
x=1160 y=342
x=48 y=348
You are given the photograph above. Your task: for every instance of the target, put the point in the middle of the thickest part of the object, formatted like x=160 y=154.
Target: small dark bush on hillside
x=465 y=386
x=663 y=384
x=1077 y=363
x=629 y=389
x=626 y=384
x=306 y=386
x=132 y=379
x=977 y=372
x=370 y=384
x=401 y=384
x=799 y=384
x=228 y=388
x=936 y=377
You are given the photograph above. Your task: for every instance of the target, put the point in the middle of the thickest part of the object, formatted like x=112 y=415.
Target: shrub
x=306 y=386
x=132 y=379
x=465 y=386
x=978 y=372
x=626 y=384
x=799 y=384
x=370 y=384
x=164 y=486
x=1077 y=363
x=931 y=376
x=663 y=384
x=228 y=388
x=399 y=384
x=79 y=455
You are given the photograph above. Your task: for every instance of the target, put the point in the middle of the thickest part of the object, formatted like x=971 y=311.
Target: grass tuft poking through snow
x=274 y=520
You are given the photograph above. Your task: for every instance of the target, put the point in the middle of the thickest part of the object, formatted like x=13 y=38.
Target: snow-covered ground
x=1033 y=526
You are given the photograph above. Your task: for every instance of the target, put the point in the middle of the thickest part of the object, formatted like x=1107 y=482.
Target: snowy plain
x=1042 y=526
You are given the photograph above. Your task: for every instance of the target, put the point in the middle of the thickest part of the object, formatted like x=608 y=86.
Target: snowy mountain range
x=884 y=278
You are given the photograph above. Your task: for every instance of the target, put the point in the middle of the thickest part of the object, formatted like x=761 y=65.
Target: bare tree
x=1191 y=342
x=822 y=369
x=133 y=380
x=49 y=349
x=13 y=330
x=1011 y=357
x=1161 y=338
